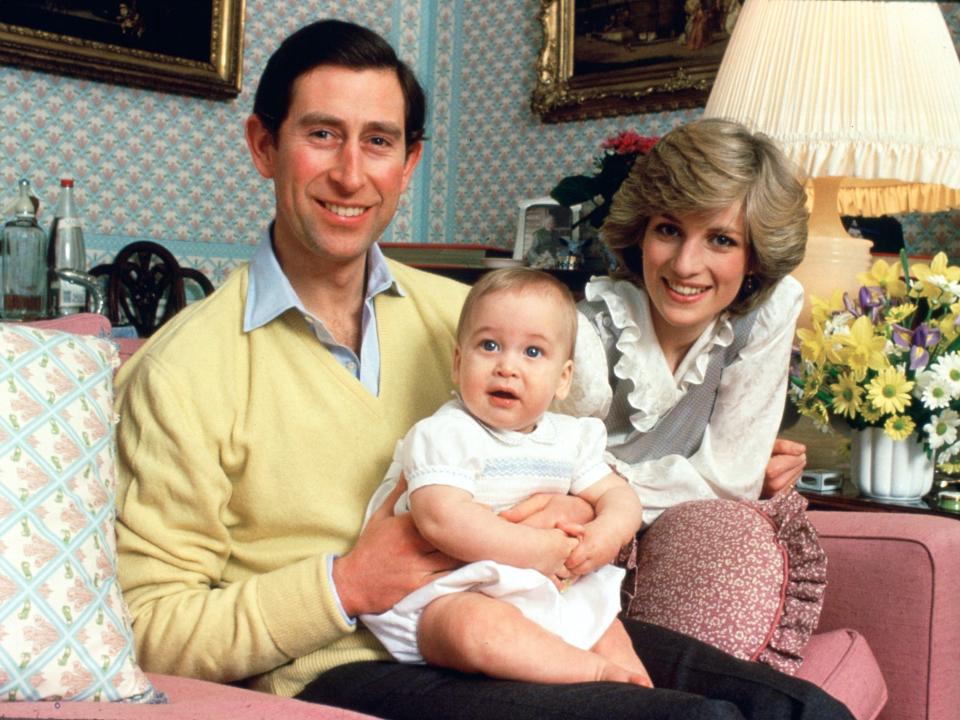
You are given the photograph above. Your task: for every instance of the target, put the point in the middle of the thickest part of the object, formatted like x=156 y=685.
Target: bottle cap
x=66 y=182
x=24 y=205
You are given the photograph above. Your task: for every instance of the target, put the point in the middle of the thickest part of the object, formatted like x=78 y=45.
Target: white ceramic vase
x=889 y=469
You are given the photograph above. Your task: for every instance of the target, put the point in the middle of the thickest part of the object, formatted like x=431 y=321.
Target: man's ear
x=566 y=378
x=455 y=372
x=262 y=146
x=410 y=164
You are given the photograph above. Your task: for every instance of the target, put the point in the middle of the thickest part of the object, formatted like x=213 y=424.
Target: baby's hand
x=598 y=547
x=552 y=558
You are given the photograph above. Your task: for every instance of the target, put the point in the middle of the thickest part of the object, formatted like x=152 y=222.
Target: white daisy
x=948 y=368
x=935 y=393
x=942 y=429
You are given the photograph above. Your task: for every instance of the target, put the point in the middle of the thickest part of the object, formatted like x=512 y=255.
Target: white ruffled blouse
x=743 y=426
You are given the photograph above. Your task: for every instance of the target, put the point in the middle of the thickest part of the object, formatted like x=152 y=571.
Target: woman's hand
x=785 y=466
x=548 y=510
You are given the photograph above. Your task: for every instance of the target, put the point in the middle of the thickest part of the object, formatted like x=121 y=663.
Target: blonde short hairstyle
x=706 y=166
x=521 y=279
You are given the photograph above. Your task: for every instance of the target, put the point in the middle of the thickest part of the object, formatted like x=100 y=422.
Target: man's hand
x=548 y=510
x=784 y=467
x=388 y=562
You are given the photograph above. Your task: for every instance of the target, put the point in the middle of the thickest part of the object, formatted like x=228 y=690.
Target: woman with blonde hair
x=692 y=332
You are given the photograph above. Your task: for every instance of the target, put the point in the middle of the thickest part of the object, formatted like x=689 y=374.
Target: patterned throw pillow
x=746 y=577
x=64 y=629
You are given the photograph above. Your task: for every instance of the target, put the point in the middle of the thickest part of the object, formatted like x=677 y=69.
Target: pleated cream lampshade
x=864 y=96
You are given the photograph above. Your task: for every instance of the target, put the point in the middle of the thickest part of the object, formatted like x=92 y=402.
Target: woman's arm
x=449 y=519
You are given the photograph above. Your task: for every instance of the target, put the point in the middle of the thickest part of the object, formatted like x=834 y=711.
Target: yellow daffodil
x=948 y=327
x=846 y=395
x=821 y=310
x=889 y=391
x=887 y=276
x=932 y=278
x=899 y=427
x=815 y=346
x=863 y=348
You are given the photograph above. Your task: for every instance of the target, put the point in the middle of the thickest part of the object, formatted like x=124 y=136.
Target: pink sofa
x=888 y=622
x=895 y=579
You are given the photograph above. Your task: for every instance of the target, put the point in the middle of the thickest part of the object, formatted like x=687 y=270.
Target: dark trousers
x=693 y=681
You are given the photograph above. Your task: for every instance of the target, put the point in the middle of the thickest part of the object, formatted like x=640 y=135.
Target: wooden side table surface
x=848 y=498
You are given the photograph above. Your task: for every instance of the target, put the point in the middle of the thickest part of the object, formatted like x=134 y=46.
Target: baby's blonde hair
x=520 y=279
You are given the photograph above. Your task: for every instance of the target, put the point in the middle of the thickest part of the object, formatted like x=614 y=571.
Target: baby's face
x=514 y=358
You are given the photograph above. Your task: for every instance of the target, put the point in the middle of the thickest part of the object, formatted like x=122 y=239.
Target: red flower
x=627 y=142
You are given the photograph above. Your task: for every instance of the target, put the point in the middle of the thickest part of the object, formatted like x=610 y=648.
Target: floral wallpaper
x=175 y=169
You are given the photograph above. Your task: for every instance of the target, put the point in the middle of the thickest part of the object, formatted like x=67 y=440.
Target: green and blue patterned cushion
x=64 y=629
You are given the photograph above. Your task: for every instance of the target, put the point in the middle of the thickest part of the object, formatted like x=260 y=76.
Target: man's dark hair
x=334 y=42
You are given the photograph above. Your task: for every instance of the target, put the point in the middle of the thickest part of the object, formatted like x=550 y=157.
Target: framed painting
x=182 y=46
x=608 y=57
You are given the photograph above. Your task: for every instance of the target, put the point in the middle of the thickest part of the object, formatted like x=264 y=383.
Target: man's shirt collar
x=270 y=294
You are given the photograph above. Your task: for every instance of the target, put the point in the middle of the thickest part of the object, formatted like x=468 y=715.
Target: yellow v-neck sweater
x=247 y=459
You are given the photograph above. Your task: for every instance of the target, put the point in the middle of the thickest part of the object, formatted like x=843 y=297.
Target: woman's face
x=693 y=267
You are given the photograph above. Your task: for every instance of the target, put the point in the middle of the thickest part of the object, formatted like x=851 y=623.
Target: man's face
x=338 y=162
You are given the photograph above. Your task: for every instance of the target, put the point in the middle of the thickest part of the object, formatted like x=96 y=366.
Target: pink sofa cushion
x=841 y=663
x=746 y=577
x=78 y=324
x=895 y=577
x=91 y=324
x=188 y=700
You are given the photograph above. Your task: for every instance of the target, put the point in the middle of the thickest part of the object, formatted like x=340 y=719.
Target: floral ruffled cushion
x=746 y=577
x=64 y=629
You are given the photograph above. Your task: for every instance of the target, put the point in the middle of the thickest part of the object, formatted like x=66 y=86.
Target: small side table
x=848 y=498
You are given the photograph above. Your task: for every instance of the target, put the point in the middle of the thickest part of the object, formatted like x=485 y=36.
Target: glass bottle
x=66 y=251
x=24 y=259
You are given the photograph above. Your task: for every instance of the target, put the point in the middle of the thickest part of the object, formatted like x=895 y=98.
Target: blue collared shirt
x=270 y=294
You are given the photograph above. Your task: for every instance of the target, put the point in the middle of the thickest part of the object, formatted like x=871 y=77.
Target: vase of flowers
x=888 y=361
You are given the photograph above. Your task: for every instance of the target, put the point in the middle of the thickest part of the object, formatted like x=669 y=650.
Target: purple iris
x=918 y=340
x=870 y=299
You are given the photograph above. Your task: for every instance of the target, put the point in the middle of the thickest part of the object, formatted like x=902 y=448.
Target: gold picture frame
x=192 y=47
x=657 y=69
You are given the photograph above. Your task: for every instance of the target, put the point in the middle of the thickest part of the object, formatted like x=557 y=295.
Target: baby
x=513 y=611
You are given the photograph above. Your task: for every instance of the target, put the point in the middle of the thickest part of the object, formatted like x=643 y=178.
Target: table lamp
x=864 y=96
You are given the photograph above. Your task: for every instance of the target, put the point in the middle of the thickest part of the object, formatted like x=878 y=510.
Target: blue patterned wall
x=175 y=169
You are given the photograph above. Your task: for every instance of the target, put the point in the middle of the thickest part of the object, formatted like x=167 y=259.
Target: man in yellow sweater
x=256 y=424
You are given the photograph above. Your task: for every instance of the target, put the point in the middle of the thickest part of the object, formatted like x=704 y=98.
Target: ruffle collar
x=656 y=389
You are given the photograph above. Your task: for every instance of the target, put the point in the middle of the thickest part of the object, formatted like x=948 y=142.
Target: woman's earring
x=749 y=285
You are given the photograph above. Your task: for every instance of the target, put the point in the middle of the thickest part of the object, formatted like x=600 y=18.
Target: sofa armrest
x=895 y=578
